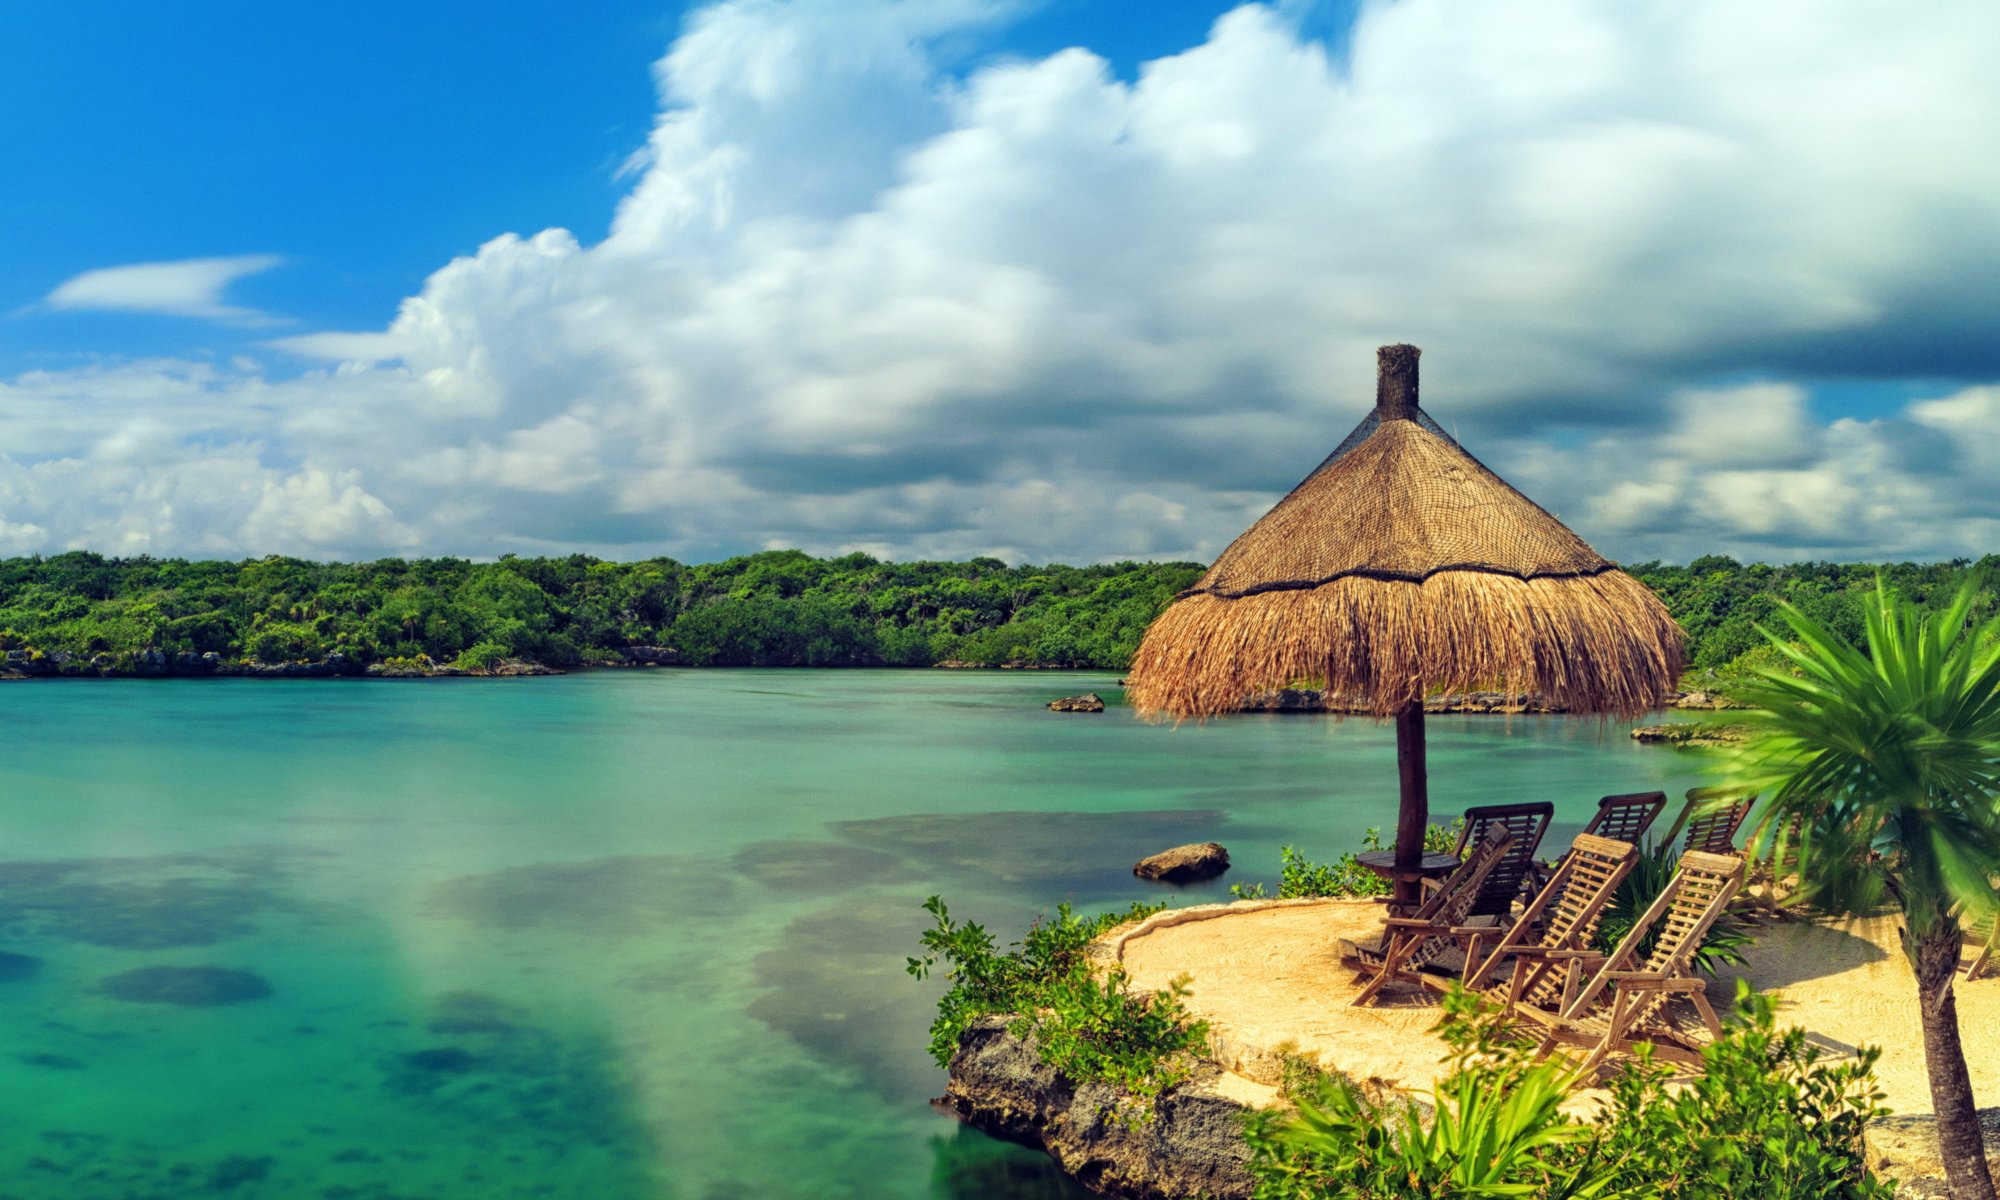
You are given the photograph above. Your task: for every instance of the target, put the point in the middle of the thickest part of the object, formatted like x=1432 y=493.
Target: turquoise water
x=606 y=936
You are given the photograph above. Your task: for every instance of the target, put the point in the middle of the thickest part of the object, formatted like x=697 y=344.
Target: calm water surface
x=605 y=936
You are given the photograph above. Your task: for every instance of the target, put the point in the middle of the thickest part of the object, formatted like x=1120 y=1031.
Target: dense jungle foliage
x=778 y=608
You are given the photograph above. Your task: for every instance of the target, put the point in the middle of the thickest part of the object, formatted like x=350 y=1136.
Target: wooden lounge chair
x=1982 y=959
x=1411 y=944
x=1550 y=946
x=1626 y=817
x=1526 y=823
x=1627 y=1001
x=1621 y=818
x=1710 y=818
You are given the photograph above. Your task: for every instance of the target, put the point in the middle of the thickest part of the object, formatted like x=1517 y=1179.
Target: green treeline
x=779 y=608
x=1719 y=602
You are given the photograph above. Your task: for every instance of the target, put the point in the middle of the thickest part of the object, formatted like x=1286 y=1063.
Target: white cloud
x=190 y=287
x=855 y=299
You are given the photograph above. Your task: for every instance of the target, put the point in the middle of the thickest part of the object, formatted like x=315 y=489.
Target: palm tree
x=1886 y=763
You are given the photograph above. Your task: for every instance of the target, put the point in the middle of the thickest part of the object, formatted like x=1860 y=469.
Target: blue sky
x=1070 y=280
x=365 y=143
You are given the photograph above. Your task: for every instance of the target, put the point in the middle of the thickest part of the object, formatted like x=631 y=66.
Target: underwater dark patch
x=15 y=967
x=970 y=1165
x=818 y=867
x=238 y=1169
x=836 y=985
x=443 y=1060
x=54 y=1062
x=143 y=903
x=623 y=896
x=460 y=1013
x=526 y=1084
x=188 y=987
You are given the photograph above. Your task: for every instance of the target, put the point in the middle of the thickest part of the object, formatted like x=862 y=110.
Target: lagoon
x=611 y=935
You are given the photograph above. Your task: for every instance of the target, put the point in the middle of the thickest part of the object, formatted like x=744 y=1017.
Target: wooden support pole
x=1414 y=814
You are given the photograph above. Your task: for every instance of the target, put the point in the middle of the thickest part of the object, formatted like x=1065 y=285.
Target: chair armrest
x=1553 y=955
x=1646 y=981
x=1411 y=923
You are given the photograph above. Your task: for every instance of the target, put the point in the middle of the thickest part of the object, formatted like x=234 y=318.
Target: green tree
x=1887 y=762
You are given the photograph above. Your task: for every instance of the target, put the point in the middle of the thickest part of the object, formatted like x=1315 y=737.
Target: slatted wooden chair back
x=1525 y=823
x=1701 y=888
x=1626 y=817
x=1564 y=915
x=1703 y=885
x=1710 y=818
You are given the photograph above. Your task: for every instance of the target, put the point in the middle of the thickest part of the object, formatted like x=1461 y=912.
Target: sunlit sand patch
x=1268 y=977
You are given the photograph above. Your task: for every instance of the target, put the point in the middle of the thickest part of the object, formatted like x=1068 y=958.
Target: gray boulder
x=1191 y=863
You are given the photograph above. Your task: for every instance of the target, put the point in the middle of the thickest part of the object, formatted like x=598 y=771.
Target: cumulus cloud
x=189 y=287
x=857 y=298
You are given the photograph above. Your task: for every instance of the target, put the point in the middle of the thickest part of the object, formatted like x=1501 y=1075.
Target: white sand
x=1268 y=978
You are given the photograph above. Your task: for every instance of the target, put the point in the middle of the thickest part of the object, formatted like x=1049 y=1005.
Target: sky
x=1074 y=280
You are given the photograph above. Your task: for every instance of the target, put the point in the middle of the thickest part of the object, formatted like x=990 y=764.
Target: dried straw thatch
x=1402 y=566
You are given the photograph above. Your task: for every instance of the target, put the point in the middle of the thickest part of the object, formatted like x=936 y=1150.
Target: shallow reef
x=625 y=895
x=159 y=902
x=188 y=987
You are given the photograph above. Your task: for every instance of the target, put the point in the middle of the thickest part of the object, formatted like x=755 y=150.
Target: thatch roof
x=1403 y=566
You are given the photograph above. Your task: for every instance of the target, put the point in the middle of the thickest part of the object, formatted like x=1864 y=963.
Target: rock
x=1905 y=1149
x=18 y=966
x=651 y=656
x=1190 y=1145
x=1088 y=702
x=189 y=987
x=1191 y=863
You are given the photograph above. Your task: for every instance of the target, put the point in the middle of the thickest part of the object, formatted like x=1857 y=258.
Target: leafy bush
x=481 y=657
x=1300 y=877
x=1088 y=1024
x=1764 y=1118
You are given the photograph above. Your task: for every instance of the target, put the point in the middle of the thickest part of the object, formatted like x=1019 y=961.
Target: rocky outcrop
x=1191 y=863
x=1313 y=700
x=28 y=664
x=1690 y=733
x=1705 y=701
x=651 y=656
x=31 y=664
x=1088 y=702
x=1905 y=1149
x=1191 y=1144
x=424 y=668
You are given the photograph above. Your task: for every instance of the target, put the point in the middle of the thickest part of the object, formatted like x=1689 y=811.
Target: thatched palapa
x=1401 y=567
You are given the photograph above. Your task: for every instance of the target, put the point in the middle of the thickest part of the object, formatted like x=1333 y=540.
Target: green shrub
x=482 y=656
x=1300 y=877
x=1092 y=1026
